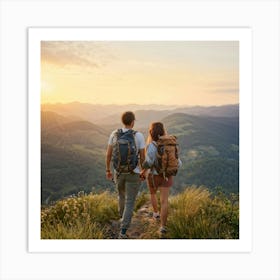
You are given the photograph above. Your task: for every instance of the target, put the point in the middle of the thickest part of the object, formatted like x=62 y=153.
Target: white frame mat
x=243 y=35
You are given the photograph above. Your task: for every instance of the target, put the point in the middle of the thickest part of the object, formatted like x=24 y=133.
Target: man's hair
x=128 y=118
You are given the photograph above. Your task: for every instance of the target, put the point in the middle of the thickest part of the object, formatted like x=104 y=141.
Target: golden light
x=45 y=87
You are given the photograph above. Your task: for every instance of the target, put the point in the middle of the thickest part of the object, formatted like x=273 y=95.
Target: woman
x=154 y=180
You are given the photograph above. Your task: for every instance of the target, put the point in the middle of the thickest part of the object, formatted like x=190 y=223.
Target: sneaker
x=123 y=236
x=156 y=216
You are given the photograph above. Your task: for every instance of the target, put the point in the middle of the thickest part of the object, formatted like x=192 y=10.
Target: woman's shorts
x=156 y=181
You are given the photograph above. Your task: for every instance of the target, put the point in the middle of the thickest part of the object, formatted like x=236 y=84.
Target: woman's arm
x=150 y=157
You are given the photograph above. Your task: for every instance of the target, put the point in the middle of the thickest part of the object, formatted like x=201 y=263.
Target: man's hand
x=109 y=152
x=143 y=174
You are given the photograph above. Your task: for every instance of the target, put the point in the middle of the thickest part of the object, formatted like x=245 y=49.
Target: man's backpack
x=167 y=156
x=125 y=156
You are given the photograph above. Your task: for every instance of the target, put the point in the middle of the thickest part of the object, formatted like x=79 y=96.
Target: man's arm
x=109 y=152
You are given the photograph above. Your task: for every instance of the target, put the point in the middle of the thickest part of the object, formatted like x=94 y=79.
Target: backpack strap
x=118 y=134
x=134 y=136
x=154 y=166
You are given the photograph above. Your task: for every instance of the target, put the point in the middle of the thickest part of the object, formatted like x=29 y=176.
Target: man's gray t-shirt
x=139 y=140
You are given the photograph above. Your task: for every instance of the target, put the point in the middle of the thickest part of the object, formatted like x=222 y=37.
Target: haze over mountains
x=110 y=114
x=74 y=138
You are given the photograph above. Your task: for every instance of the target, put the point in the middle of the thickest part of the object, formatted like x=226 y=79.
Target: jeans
x=128 y=186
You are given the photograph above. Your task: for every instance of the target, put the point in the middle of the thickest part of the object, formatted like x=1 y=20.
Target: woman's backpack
x=167 y=156
x=125 y=156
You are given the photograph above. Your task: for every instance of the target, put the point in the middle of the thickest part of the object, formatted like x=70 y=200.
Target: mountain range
x=74 y=139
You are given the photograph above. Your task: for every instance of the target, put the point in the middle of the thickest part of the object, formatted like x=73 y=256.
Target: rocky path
x=143 y=226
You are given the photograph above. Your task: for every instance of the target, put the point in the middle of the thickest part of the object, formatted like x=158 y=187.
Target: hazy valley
x=74 y=138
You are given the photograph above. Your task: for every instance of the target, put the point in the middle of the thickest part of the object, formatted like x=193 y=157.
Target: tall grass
x=82 y=216
x=141 y=200
x=196 y=214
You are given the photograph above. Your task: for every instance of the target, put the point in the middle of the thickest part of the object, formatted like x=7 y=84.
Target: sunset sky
x=175 y=72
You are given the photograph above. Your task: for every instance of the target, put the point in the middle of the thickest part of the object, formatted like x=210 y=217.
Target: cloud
x=226 y=90
x=223 y=87
x=75 y=53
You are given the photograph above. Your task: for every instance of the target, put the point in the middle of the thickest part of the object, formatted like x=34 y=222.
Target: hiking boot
x=162 y=232
x=123 y=236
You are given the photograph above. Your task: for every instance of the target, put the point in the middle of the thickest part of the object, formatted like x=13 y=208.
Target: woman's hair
x=156 y=130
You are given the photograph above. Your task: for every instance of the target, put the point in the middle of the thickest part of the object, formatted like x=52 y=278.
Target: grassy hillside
x=209 y=149
x=196 y=131
x=196 y=213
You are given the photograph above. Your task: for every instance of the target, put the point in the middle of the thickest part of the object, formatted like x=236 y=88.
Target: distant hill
x=89 y=112
x=143 y=118
x=60 y=131
x=51 y=119
x=209 y=149
x=95 y=112
x=72 y=156
x=201 y=130
x=213 y=111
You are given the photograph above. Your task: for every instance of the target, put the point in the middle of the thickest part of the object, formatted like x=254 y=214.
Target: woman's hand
x=109 y=175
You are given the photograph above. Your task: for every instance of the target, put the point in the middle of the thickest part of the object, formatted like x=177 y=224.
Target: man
x=127 y=180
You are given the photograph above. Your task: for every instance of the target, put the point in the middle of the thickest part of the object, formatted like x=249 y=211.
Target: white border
x=243 y=35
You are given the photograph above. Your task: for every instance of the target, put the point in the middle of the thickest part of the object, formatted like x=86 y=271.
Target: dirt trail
x=142 y=226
